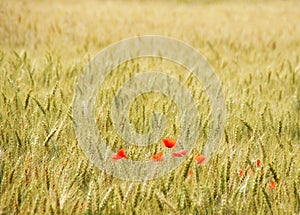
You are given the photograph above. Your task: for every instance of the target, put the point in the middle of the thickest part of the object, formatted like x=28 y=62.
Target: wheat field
x=254 y=48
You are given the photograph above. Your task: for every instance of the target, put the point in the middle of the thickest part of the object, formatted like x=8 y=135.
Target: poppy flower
x=200 y=159
x=190 y=173
x=169 y=142
x=180 y=153
x=258 y=163
x=158 y=157
x=119 y=155
x=272 y=185
x=241 y=172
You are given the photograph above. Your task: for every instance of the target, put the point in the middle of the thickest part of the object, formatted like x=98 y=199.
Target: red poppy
x=272 y=185
x=180 y=153
x=200 y=159
x=190 y=173
x=258 y=163
x=241 y=172
x=168 y=142
x=158 y=157
x=119 y=155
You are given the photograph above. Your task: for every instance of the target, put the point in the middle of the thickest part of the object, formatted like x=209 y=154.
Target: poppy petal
x=158 y=157
x=180 y=153
x=200 y=159
x=168 y=142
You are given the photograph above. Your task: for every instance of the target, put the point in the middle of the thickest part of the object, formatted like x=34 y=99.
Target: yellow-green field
x=254 y=48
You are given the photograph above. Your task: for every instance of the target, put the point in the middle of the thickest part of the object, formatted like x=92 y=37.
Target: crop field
x=254 y=49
